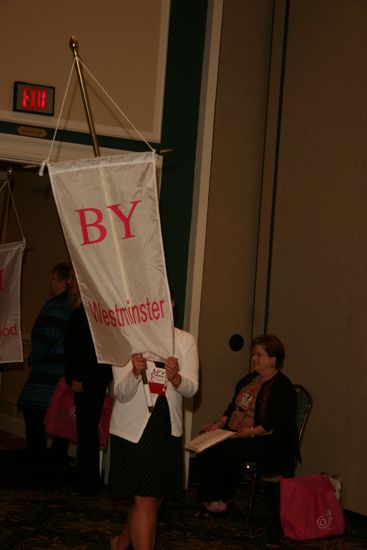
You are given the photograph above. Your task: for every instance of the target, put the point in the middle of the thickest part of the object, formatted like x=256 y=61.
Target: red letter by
x=125 y=220
x=97 y=224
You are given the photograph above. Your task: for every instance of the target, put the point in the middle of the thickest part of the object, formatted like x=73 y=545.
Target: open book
x=207 y=439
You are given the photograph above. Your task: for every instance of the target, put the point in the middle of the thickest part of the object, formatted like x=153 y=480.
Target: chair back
x=253 y=469
x=304 y=405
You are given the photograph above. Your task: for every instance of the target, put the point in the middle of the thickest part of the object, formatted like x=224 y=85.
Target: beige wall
x=317 y=293
x=122 y=44
x=234 y=198
x=318 y=269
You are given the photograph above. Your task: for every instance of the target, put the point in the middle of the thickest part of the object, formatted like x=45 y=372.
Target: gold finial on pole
x=74 y=46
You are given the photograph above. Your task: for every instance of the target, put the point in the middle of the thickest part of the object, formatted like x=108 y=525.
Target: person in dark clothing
x=46 y=362
x=89 y=381
x=262 y=413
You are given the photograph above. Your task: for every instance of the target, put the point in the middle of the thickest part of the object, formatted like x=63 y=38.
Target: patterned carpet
x=38 y=511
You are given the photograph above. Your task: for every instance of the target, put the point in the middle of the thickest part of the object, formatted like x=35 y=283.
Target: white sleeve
x=125 y=385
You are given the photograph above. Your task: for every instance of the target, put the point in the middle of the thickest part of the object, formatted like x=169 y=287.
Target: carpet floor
x=39 y=511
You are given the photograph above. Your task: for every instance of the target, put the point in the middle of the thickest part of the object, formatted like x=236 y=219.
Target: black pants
x=37 y=438
x=218 y=468
x=88 y=404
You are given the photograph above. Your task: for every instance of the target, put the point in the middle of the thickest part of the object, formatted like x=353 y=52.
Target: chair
x=253 y=470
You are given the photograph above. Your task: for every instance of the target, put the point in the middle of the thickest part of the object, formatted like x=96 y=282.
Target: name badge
x=158 y=381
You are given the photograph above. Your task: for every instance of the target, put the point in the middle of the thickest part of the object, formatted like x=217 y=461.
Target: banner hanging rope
x=76 y=62
x=6 y=183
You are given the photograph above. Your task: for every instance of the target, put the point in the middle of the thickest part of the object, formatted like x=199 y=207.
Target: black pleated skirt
x=153 y=466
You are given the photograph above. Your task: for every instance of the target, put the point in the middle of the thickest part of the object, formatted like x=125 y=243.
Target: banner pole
x=74 y=47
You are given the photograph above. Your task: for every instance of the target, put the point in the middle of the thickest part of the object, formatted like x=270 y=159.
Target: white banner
x=108 y=208
x=11 y=349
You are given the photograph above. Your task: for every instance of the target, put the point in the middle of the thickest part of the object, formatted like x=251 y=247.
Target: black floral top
x=275 y=410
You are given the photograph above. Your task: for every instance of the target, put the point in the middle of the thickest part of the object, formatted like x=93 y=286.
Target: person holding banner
x=46 y=362
x=146 y=446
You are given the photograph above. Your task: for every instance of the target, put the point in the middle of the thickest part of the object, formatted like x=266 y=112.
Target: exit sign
x=33 y=98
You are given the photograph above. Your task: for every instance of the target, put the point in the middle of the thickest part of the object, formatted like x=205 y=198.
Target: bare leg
x=143 y=522
x=123 y=541
x=140 y=527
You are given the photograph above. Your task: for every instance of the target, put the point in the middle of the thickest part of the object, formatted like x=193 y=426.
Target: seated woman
x=262 y=414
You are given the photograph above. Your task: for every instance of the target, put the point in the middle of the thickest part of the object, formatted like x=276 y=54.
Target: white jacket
x=130 y=412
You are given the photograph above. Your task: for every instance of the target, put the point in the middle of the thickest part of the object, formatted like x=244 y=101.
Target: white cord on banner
x=116 y=106
x=6 y=182
x=43 y=164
